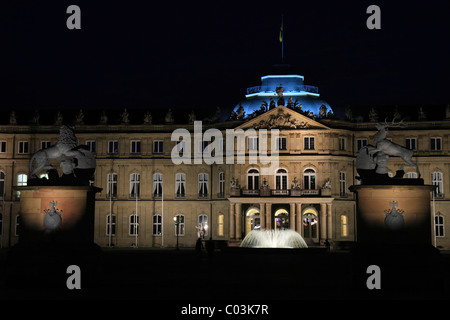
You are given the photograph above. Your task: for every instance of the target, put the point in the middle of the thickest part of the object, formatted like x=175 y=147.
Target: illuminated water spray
x=273 y=239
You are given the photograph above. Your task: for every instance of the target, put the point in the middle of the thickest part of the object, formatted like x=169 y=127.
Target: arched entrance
x=252 y=219
x=281 y=218
x=310 y=225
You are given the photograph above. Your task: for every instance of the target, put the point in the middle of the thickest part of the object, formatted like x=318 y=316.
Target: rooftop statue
x=75 y=161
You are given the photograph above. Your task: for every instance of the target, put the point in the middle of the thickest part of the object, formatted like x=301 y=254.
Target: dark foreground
x=231 y=275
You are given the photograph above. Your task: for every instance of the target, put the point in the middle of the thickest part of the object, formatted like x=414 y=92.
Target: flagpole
x=282 y=39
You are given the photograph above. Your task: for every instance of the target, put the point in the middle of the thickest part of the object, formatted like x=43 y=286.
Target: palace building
x=144 y=191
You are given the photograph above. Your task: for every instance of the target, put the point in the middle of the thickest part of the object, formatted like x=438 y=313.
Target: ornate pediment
x=282 y=118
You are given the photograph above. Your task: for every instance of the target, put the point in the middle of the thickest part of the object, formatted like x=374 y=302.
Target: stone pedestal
x=410 y=203
x=42 y=255
x=77 y=205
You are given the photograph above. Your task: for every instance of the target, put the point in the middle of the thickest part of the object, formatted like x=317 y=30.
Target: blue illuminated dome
x=295 y=93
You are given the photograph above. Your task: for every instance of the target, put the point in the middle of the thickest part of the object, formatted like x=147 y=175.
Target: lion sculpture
x=66 y=151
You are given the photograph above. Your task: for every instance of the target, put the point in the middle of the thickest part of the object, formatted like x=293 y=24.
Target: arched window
x=157 y=185
x=203 y=185
x=309 y=179
x=202 y=225
x=179 y=225
x=21 y=181
x=439 y=226
x=281 y=178
x=180 y=185
x=253 y=179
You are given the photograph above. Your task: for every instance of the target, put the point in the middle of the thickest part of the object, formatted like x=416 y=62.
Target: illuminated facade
x=143 y=190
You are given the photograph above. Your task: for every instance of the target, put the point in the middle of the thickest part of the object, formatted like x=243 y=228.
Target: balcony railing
x=305 y=88
x=236 y=192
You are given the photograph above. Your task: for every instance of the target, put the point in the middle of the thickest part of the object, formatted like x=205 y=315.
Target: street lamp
x=176 y=219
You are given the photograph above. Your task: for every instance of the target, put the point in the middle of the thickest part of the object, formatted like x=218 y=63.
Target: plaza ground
x=230 y=275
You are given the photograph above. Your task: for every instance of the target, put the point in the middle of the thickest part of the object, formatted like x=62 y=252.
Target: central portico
x=310 y=217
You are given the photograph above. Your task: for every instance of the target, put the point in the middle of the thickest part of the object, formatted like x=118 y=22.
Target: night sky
x=155 y=55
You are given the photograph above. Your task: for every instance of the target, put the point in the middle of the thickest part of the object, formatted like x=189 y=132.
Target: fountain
x=284 y=238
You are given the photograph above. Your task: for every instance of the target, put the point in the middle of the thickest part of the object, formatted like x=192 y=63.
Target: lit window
x=221 y=222
x=344 y=226
x=21 y=181
x=179 y=225
x=203 y=225
x=411 y=175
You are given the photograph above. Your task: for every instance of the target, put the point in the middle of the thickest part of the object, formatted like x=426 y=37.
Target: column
x=262 y=215
x=292 y=217
x=299 y=219
x=323 y=222
x=232 y=222
x=268 y=216
x=238 y=221
x=329 y=221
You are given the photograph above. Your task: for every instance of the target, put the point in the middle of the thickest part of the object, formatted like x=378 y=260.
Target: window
x=113 y=146
x=21 y=181
x=439 y=226
x=253 y=143
x=203 y=225
x=360 y=143
x=2 y=146
x=134 y=225
x=309 y=143
x=253 y=179
x=281 y=143
x=17 y=225
x=344 y=226
x=203 y=146
x=157 y=185
x=45 y=144
x=135 y=146
x=181 y=146
x=157 y=225
x=411 y=175
x=436 y=144
x=309 y=179
x=221 y=185
x=111 y=189
x=135 y=185
x=342 y=144
x=157 y=146
x=23 y=147
x=281 y=177
x=2 y=184
x=179 y=225
x=111 y=225
x=180 y=185
x=220 y=221
x=411 y=143
x=1 y=224
x=91 y=146
x=202 y=185
x=342 y=184
x=437 y=180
